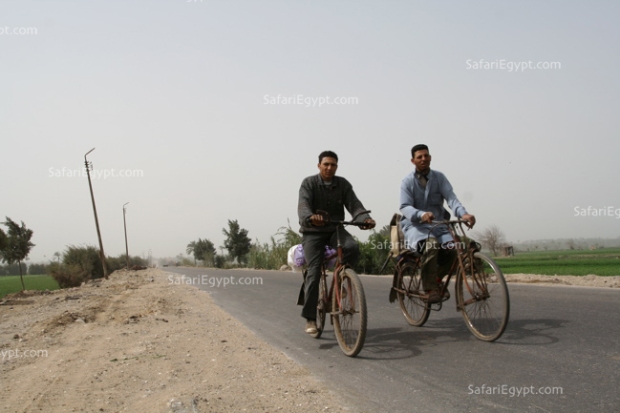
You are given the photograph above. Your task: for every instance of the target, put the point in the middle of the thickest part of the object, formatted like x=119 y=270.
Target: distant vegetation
x=15 y=245
x=80 y=264
x=273 y=255
x=12 y=284
x=605 y=261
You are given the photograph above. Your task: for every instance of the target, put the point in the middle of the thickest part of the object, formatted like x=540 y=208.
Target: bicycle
x=480 y=289
x=345 y=301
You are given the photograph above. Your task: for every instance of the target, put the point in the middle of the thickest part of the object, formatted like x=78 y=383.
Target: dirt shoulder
x=582 y=281
x=136 y=343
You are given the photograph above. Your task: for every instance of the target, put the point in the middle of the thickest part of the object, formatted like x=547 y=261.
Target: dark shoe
x=434 y=297
x=311 y=327
x=446 y=295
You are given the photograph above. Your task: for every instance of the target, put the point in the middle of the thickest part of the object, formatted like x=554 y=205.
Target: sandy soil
x=136 y=343
x=584 y=281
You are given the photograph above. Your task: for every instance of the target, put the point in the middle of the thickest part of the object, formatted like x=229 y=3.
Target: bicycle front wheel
x=410 y=291
x=482 y=298
x=349 y=315
x=321 y=308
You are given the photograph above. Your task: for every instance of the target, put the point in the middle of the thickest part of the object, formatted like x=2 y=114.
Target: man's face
x=422 y=160
x=327 y=168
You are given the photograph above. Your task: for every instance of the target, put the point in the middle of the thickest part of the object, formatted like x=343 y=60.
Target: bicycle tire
x=350 y=315
x=415 y=309
x=482 y=297
x=321 y=308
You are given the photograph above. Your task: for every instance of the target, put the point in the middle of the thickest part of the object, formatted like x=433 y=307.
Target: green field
x=604 y=261
x=11 y=283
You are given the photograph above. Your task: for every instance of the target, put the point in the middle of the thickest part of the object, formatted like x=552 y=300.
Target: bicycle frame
x=456 y=230
x=340 y=266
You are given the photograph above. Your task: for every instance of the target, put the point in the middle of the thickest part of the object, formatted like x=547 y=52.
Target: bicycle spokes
x=349 y=311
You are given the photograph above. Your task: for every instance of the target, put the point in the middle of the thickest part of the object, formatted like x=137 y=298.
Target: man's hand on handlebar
x=368 y=224
x=317 y=220
x=427 y=217
x=469 y=218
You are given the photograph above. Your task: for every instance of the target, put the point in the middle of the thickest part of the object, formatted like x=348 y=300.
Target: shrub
x=67 y=275
x=86 y=258
x=120 y=262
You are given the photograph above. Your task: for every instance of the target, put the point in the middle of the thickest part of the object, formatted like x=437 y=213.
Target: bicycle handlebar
x=352 y=222
x=451 y=222
x=328 y=220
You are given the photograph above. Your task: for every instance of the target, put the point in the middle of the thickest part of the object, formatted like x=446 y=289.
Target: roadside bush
x=373 y=253
x=120 y=262
x=86 y=258
x=67 y=275
x=272 y=257
x=220 y=260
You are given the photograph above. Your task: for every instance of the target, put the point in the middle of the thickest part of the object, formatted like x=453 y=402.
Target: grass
x=604 y=261
x=11 y=283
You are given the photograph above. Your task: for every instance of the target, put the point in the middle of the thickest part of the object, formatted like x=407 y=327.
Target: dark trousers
x=436 y=262
x=314 y=251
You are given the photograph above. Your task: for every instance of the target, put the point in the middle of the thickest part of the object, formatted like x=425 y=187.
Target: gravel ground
x=136 y=343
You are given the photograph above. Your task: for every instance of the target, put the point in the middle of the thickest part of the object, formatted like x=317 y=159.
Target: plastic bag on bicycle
x=298 y=259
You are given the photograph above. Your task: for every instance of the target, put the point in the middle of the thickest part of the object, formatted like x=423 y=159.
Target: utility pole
x=89 y=165
x=125 y=225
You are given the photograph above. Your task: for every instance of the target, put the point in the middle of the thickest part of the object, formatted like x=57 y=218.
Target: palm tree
x=191 y=250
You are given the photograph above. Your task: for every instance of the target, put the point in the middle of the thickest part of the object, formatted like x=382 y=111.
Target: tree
x=35 y=269
x=493 y=238
x=202 y=250
x=191 y=250
x=237 y=242
x=17 y=245
x=3 y=240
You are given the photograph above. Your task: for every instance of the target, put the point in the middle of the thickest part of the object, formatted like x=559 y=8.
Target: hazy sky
x=181 y=93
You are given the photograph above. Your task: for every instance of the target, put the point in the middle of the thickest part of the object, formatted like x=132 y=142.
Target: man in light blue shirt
x=422 y=195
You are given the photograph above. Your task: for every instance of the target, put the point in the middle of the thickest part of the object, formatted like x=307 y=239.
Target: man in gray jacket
x=330 y=193
x=422 y=194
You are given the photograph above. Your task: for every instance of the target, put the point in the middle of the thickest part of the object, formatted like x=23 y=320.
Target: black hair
x=327 y=154
x=418 y=147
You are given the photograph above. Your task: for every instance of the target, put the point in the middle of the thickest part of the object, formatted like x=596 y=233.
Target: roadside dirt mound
x=136 y=343
x=583 y=281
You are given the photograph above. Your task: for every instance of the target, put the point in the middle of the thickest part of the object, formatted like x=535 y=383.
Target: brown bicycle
x=345 y=301
x=481 y=290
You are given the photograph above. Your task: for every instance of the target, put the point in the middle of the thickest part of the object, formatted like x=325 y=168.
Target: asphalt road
x=560 y=340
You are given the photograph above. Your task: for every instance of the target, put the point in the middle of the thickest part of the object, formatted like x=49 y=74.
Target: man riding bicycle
x=330 y=193
x=422 y=194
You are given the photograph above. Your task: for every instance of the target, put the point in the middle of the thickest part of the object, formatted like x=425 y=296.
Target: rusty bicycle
x=344 y=301
x=480 y=288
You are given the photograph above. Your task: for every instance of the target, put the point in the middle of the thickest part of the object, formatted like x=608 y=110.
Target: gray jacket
x=315 y=195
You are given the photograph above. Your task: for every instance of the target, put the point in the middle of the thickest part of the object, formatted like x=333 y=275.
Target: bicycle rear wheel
x=414 y=308
x=482 y=298
x=321 y=308
x=350 y=315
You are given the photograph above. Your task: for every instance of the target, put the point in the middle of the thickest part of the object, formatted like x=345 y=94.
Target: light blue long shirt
x=415 y=201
